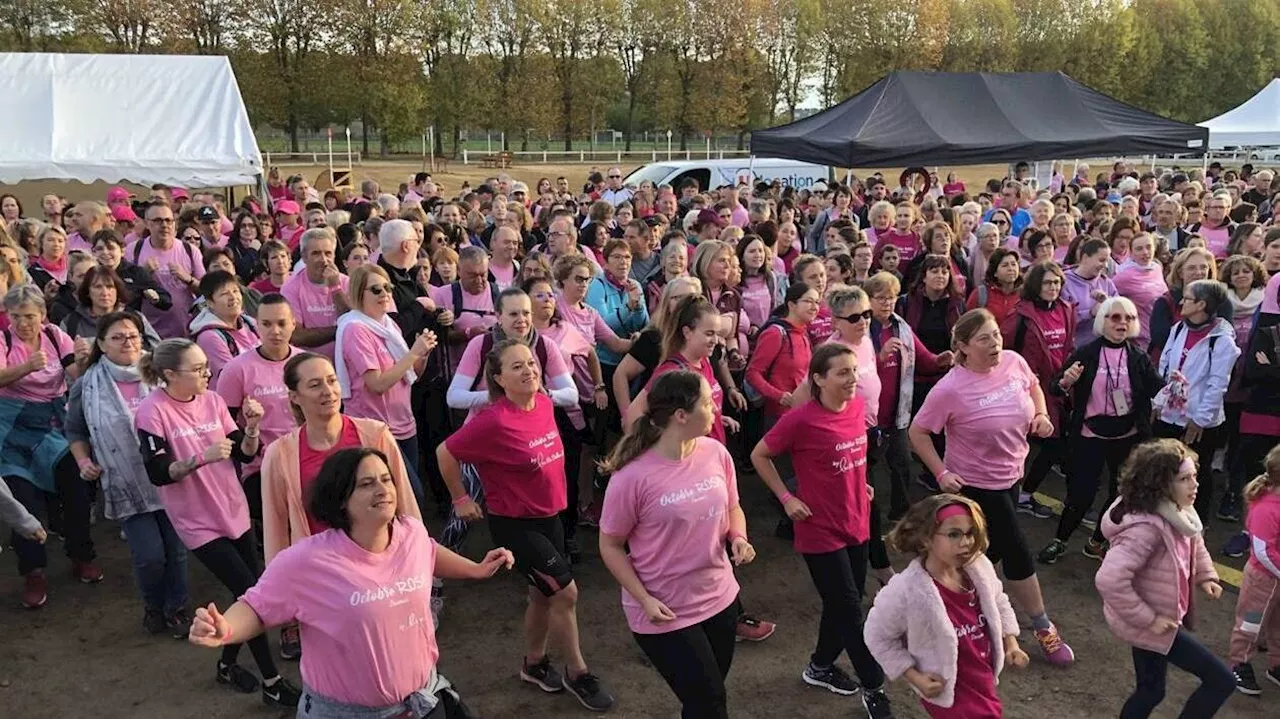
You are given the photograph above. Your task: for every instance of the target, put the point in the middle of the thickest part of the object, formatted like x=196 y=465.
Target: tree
x=635 y=42
x=35 y=25
x=131 y=25
x=290 y=30
x=507 y=32
x=569 y=29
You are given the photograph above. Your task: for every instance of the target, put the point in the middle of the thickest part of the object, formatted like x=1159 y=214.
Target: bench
x=501 y=160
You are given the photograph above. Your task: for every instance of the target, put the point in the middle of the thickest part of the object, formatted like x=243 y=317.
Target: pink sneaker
x=1055 y=650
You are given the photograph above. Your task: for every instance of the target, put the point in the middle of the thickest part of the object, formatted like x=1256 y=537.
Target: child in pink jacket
x=1258 y=607
x=1157 y=557
x=945 y=623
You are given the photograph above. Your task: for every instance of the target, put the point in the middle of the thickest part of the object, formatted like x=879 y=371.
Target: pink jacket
x=1263 y=525
x=908 y=625
x=1139 y=578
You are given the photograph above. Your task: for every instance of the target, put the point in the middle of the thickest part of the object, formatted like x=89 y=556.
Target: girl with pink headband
x=1157 y=557
x=944 y=623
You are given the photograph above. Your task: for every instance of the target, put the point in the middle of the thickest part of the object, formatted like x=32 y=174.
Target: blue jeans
x=1187 y=653
x=159 y=561
x=409 y=450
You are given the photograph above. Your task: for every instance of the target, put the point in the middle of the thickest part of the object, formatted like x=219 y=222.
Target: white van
x=711 y=174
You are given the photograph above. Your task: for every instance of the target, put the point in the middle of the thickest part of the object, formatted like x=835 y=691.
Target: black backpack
x=137 y=251
x=456 y=289
x=49 y=333
x=226 y=336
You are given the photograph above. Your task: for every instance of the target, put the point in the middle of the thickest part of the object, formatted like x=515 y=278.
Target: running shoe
x=153 y=621
x=290 y=643
x=1237 y=546
x=179 y=624
x=1030 y=506
x=750 y=629
x=1050 y=554
x=543 y=675
x=1055 y=650
x=1229 y=508
x=1090 y=519
x=589 y=691
x=35 y=589
x=237 y=677
x=832 y=678
x=876 y=702
x=1246 y=682
x=1273 y=674
x=282 y=694
x=1095 y=550
x=86 y=572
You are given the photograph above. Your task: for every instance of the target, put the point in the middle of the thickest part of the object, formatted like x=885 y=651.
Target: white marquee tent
x=171 y=119
x=1255 y=123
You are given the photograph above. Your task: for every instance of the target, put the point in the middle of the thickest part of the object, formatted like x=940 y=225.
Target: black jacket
x=138 y=279
x=1144 y=383
x=1263 y=380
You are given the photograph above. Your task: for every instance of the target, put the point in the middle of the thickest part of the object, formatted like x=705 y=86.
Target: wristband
x=83 y=462
x=461 y=500
x=785 y=497
x=944 y=472
x=1040 y=414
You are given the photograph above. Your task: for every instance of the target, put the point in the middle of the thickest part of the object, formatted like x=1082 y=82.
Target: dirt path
x=85 y=652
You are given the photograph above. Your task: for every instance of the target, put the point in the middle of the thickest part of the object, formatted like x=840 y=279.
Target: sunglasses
x=379 y=290
x=865 y=316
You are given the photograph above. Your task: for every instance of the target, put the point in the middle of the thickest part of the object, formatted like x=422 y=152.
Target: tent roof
x=172 y=119
x=919 y=118
x=1254 y=123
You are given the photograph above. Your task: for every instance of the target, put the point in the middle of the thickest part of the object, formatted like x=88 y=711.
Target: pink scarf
x=58 y=269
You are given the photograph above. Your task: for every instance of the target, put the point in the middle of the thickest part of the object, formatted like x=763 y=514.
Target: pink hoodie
x=908 y=625
x=1143 y=286
x=1139 y=577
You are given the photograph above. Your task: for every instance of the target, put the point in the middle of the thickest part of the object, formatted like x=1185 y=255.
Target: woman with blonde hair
x=1189 y=265
x=50 y=263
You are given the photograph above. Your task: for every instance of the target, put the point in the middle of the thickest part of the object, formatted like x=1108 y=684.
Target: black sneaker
x=282 y=694
x=1229 y=508
x=543 y=675
x=1034 y=508
x=1094 y=550
x=237 y=677
x=831 y=678
x=1246 y=682
x=876 y=702
x=178 y=624
x=1273 y=674
x=290 y=643
x=574 y=550
x=153 y=621
x=1050 y=554
x=589 y=691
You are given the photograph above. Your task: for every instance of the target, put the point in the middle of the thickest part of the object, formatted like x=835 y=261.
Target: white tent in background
x=1255 y=123
x=171 y=119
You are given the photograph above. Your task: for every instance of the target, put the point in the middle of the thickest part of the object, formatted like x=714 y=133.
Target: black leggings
x=235 y=563
x=694 y=661
x=1051 y=450
x=1006 y=542
x=1089 y=457
x=572 y=440
x=837 y=576
x=74 y=494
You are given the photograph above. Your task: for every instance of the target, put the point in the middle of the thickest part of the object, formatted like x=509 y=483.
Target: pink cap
x=179 y=193
x=117 y=195
x=123 y=213
x=287 y=207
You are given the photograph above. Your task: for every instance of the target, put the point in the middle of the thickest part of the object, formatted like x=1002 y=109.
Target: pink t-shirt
x=1182 y=551
x=208 y=503
x=173 y=321
x=575 y=350
x=829 y=453
x=363 y=350
x=1113 y=375
x=986 y=416
x=1217 y=239
x=214 y=343
x=1053 y=325
x=757 y=301
x=46 y=383
x=868 y=375
x=587 y=320
x=518 y=455
x=313 y=305
x=77 y=243
x=131 y=392
x=908 y=243
x=674 y=515
x=820 y=328
x=290 y=236
x=975 y=693
x=252 y=375
x=471 y=365
x=266 y=286
x=365 y=617
x=505 y=276
x=479 y=312
x=717 y=393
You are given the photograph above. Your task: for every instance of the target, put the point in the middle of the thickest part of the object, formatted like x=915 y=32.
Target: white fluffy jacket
x=908 y=625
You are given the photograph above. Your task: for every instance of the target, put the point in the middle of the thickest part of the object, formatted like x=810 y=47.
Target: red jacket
x=779 y=363
x=999 y=302
x=1022 y=334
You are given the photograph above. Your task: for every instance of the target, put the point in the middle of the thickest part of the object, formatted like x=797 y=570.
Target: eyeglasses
x=125 y=339
x=542 y=296
x=865 y=316
x=1117 y=317
x=889 y=299
x=580 y=279
x=191 y=237
x=379 y=290
x=620 y=256
x=198 y=370
x=956 y=535
x=161 y=220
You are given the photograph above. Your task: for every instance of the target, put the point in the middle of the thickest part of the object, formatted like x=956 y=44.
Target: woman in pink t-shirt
x=361 y=593
x=987 y=405
x=519 y=460
x=671 y=508
x=222 y=329
x=188 y=439
x=826 y=439
x=573 y=275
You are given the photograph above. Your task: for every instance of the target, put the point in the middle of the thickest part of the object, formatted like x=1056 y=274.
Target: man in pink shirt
x=319 y=293
x=86 y=219
x=471 y=299
x=176 y=265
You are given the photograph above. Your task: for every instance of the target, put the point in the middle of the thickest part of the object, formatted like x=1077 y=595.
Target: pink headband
x=951 y=510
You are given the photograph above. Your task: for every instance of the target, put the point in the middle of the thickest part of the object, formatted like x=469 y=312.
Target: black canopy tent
x=940 y=118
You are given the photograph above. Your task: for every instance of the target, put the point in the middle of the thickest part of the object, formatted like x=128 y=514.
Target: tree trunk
x=742 y=140
x=293 y=132
x=566 y=109
x=364 y=134
x=631 y=116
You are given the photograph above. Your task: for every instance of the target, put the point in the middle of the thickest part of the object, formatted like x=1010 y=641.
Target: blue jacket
x=612 y=304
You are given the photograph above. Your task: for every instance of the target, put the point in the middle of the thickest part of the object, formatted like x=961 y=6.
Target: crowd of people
x=288 y=388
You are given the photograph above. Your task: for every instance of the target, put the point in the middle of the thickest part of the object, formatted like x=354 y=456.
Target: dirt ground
x=85 y=652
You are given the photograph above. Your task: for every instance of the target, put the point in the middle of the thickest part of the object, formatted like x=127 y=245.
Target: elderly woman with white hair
x=1109 y=384
x=37 y=362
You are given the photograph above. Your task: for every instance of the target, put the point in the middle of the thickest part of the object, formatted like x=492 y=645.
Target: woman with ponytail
x=826 y=439
x=671 y=508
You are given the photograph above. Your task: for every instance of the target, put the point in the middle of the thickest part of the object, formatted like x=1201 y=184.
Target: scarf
x=386 y=329
x=56 y=268
x=1244 y=308
x=1184 y=521
x=125 y=488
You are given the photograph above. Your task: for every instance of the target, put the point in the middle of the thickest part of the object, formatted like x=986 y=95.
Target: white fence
x=301 y=159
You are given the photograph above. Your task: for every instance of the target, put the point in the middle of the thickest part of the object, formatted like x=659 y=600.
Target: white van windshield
x=652 y=173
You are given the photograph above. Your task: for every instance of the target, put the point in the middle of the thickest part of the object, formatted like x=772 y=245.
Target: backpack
x=226 y=336
x=1213 y=340
x=539 y=351
x=48 y=333
x=754 y=398
x=456 y=289
x=137 y=251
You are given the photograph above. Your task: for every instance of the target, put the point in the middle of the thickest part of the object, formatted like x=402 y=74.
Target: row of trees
x=536 y=69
